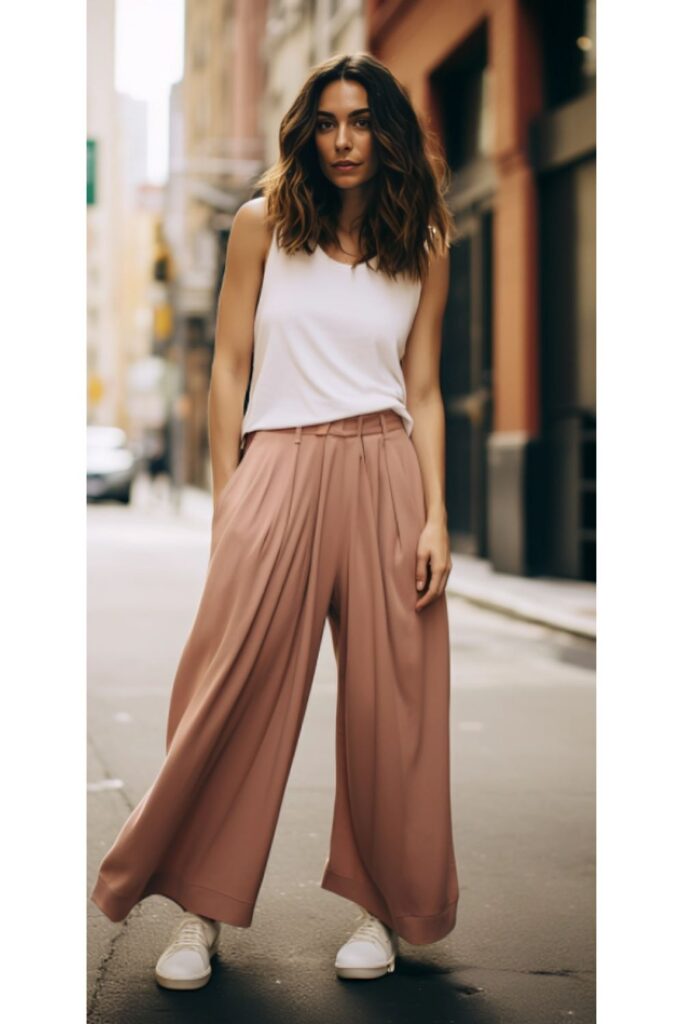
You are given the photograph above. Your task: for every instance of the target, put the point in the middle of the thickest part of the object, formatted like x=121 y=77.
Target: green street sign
x=92 y=171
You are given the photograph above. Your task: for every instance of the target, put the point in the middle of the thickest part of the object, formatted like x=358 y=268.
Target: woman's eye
x=363 y=122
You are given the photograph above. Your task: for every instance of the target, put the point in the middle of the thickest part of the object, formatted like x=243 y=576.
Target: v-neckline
x=349 y=266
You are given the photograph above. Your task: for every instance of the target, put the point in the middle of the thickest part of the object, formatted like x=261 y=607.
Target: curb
x=525 y=612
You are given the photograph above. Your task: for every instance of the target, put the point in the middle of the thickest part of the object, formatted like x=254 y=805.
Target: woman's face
x=344 y=133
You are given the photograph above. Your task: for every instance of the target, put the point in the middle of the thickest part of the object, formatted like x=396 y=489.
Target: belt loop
x=297 y=439
x=382 y=420
x=359 y=434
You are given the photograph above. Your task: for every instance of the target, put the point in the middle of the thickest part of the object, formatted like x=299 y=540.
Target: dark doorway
x=466 y=380
x=461 y=90
x=562 y=145
x=568 y=391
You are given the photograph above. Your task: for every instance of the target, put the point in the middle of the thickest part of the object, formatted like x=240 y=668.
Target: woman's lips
x=344 y=166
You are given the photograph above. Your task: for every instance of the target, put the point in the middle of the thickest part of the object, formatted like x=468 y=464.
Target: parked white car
x=111 y=464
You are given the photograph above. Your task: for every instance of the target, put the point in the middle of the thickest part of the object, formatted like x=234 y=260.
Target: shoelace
x=190 y=933
x=372 y=928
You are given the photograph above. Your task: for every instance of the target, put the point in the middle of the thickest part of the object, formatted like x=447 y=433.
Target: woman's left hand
x=434 y=562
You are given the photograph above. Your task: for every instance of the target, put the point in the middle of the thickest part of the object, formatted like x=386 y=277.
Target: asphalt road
x=523 y=761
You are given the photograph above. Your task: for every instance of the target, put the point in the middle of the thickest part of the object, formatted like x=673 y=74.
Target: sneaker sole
x=182 y=983
x=187 y=983
x=365 y=973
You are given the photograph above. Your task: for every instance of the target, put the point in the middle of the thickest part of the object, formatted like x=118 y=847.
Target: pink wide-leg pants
x=316 y=523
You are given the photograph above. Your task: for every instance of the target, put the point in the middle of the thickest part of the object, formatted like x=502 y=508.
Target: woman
x=334 y=512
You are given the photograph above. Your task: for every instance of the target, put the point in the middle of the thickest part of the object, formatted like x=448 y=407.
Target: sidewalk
x=568 y=605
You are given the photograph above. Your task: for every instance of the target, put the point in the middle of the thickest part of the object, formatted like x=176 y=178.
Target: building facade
x=508 y=87
x=216 y=154
x=104 y=385
x=245 y=60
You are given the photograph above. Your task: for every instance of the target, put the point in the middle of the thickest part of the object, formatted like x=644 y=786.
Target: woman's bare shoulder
x=250 y=226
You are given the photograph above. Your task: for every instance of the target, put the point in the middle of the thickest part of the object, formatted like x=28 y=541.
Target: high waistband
x=385 y=421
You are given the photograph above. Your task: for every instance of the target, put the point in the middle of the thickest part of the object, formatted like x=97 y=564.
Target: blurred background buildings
x=508 y=86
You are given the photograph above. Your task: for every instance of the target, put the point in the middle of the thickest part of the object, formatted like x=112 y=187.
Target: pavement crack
x=102 y=969
x=103 y=965
x=557 y=972
x=560 y=972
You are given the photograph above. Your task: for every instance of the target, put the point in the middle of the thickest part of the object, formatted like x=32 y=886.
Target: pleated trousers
x=317 y=523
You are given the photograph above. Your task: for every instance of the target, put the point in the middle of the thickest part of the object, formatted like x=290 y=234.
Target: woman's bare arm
x=421 y=364
x=245 y=256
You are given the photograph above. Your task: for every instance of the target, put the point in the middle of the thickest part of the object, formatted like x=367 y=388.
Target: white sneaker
x=186 y=961
x=370 y=952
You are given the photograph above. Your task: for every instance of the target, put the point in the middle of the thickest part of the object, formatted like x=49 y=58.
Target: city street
x=523 y=747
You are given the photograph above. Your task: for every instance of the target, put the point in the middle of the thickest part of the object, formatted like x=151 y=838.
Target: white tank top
x=328 y=340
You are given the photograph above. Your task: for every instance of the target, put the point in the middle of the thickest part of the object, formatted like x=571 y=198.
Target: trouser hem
x=416 y=930
x=195 y=898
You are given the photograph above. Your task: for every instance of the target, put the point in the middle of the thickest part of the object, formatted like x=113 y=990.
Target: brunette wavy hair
x=406 y=218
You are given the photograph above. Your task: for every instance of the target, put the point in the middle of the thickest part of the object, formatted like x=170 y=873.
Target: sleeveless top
x=328 y=340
